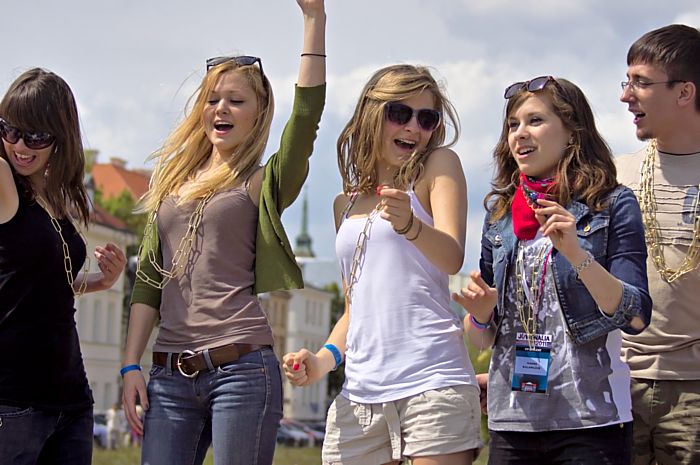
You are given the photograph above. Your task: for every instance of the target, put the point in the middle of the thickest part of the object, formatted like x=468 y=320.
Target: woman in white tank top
x=410 y=389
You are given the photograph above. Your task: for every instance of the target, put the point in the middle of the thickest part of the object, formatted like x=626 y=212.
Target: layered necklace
x=647 y=202
x=67 y=262
x=528 y=306
x=183 y=251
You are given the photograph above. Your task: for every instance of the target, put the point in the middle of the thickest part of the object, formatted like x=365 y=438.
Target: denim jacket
x=615 y=237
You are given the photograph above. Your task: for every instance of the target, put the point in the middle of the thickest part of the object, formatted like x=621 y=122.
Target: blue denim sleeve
x=627 y=261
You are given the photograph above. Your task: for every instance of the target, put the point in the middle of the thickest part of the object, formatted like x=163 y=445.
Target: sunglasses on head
x=33 y=140
x=243 y=60
x=533 y=85
x=399 y=113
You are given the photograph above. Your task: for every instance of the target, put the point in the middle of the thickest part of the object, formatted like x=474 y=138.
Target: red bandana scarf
x=525 y=224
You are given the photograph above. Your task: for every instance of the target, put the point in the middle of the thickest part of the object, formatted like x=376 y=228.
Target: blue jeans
x=603 y=445
x=29 y=436
x=235 y=407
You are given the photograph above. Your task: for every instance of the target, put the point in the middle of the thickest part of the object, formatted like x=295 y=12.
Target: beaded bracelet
x=336 y=354
x=129 y=368
x=584 y=264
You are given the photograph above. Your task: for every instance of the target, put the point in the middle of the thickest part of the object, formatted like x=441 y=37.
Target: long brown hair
x=360 y=142
x=40 y=101
x=586 y=172
x=188 y=146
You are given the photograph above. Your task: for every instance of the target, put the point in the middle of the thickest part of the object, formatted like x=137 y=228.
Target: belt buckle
x=189 y=353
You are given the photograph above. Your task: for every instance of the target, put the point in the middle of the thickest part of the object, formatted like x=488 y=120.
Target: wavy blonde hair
x=188 y=147
x=586 y=171
x=360 y=143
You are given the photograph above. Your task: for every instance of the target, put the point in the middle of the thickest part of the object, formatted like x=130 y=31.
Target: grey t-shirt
x=212 y=303
x=588 y=385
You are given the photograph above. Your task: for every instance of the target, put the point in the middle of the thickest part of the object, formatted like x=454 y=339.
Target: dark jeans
x=606 y=445
x=35 y=437
x=236 y=408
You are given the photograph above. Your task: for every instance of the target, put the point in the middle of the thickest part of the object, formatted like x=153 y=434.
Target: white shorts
x=436 y=422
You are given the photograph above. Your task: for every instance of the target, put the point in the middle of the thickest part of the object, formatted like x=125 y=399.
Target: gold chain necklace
x=647 y=202
x=360 y=247
x=529 y=319
x=181 y=254
x=67 y=262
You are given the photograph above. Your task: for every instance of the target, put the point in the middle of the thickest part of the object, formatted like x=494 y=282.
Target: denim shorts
x=236 y=408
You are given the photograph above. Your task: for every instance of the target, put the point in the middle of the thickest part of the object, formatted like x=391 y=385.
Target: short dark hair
x=675 y=49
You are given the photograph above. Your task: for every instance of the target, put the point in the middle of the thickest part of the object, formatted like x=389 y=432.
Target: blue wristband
x=336 y=355
x=478 y=325
x=129 y=368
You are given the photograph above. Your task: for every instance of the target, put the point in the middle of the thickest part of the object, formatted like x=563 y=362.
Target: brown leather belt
x=189 y=363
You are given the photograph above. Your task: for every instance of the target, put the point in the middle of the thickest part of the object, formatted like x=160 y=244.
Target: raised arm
x=312 y=69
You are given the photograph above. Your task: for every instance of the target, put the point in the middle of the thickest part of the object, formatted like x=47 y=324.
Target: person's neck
x=385 y=175
x=684 y=139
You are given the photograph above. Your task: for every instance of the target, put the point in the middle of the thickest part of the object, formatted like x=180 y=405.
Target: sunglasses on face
x=243 y=60
x=33 y=140
x=399 y=113
x=533 y=85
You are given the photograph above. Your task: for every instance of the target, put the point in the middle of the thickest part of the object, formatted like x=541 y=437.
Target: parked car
x=315 y=436
x=99 y=430
x=290 y=436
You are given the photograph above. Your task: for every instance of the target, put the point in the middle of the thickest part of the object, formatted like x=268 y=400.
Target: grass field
x=283 y=456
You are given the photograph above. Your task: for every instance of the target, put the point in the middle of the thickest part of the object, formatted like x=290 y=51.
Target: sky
x=132 y=64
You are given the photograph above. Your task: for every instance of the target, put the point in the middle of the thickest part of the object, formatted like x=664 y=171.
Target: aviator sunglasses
x=33 y=140
x=399 y=113
x=243 y=60
x=533 y=85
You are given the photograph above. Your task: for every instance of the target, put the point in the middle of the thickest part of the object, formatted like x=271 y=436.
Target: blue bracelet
x=336 y=355
x=129 y=368
x=478 y=325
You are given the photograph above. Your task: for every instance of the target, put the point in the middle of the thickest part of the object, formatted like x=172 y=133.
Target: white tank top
x=403 y=338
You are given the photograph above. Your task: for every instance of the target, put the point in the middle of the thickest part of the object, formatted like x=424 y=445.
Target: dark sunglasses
x=33 y=140
x=243 y=60
x=399 y=113
x=533 y=85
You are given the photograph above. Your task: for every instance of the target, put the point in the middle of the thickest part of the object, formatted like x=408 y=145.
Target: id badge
x=531 y=363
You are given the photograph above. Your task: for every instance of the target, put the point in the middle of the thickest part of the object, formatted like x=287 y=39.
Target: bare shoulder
x=9 y=199
x=340 y=203
x=443 y=164
x=443 y=161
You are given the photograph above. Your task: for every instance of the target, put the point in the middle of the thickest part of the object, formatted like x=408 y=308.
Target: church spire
x=303 y=248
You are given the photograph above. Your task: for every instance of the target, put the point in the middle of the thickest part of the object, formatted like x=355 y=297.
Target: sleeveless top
x=403 y=338
x=41 y=364
x=213 y=302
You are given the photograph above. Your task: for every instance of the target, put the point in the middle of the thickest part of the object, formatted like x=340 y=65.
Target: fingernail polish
x=295 y=367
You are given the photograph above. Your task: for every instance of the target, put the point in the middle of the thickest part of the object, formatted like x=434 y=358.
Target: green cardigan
x=284 y=175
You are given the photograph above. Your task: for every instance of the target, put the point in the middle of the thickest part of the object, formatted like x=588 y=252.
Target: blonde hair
x=360 y=143
x=188 y=146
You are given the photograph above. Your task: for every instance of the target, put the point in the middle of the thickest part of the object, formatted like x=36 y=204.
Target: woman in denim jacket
x=563 y=270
